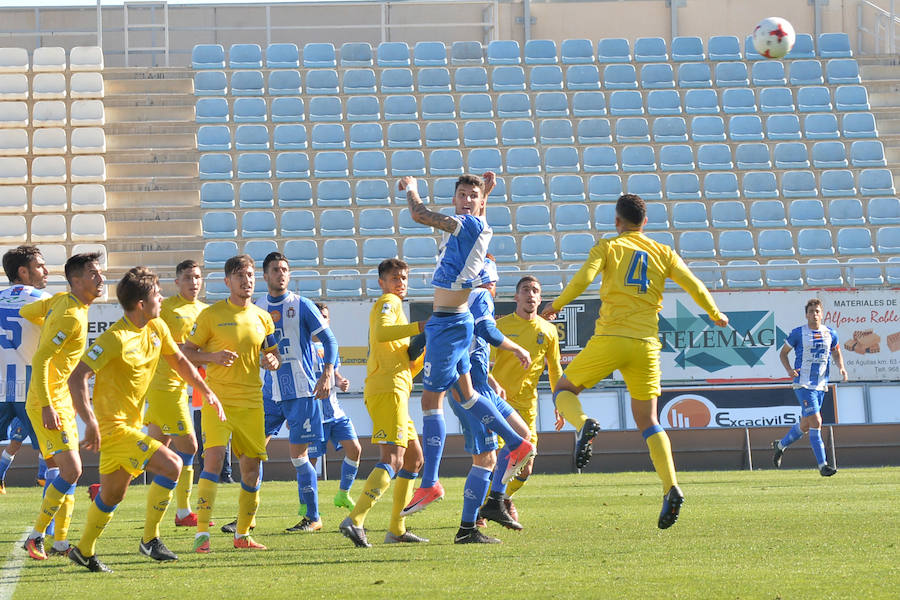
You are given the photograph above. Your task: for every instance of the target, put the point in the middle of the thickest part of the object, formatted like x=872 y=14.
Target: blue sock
x=792 y=436
x=309 y=489
x=349 y=468
x=818 y=446
x=52 y=474
x=488 y=414
x=473 y=495
x=497 y=484
x=434 y=433
x=42 y=467
x=5 y=461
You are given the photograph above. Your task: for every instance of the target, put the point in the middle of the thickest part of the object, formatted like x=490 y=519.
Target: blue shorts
x=303 y=417
x=810 y=400
x=14 y=416
x=479 y=439
x=335 y=431
x=447 y=341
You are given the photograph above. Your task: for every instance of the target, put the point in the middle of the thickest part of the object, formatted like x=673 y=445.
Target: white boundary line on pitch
x=9 y=576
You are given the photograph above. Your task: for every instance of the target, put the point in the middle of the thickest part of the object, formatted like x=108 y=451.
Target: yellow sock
x=64 y=518
x=97 y=518
x=158 y=497
x=183 y=489
x=53 y=500
x=206 y=497
x=377 y=483
x=403 y=491
x=661 y=455
x=248 y=502
x=569 y=406
x=514 y=486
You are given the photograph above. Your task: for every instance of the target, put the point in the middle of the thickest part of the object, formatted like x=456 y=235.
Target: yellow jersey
x=63 y=336
x=388 y=365
x=124 y=359
x=179 y=314
x=246 y=331
x=634 y=269
x=541 y=339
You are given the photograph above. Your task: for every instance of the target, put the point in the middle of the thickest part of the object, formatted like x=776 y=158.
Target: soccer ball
x=774 y=37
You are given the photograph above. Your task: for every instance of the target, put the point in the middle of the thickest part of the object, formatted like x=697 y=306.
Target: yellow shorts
x=169 y=411
x=637 y=360
x=53 y=441
x=390 y=418
x=528 y=412
x=126 y=448
x=245 y=426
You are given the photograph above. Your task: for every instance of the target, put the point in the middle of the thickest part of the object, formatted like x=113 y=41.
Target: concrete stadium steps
x=162 y=141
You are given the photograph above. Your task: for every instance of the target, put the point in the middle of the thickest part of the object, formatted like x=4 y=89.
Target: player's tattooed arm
x=418 y=211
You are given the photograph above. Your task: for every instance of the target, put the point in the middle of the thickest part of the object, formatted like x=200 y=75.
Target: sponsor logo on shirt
x=385 y=308
x=154 y=339
x=224 y=324
x=540 y=338
x=59 y=338
x=276 y=315
x=193 y=329
x=94 y=352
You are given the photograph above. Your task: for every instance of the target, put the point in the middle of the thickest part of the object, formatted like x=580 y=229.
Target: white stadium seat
x=13 y=229
x=55 y=256
x=49 y=198
x=13 y=114
x=49 y=228
x=88 y=140
x=13 y=170
x=49 y=113
x=88 y=248
x=13 y=199
x=88 y=197
x=13 y=142
x=49 y=140
x=86 y=85
x=88 y=227
x=48 y=169
x=13 y=86
x=88 y=169
x=87 y=113
x=48 y=59
x=86 y=58
x=13 y=60
x=48 y=86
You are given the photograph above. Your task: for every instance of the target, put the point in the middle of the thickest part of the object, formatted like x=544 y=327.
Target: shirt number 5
x=637 y=272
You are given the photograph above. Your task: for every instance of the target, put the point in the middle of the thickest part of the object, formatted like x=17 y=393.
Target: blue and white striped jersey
x=462 y=254
x=812 y=355
x=331 y=408
x=18 y=340
x=296 y=320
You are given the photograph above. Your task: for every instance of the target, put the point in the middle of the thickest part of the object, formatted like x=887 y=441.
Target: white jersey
x=462 y=254
x=812 y=355
x=296 y=320
x=18 y=341
x=331 y=408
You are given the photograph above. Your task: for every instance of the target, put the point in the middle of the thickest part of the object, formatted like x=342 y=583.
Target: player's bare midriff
x=444 y=298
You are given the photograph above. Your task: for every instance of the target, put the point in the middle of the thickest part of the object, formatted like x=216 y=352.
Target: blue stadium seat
x=466 y=53
x=776 y=100
x=632 y=130
x=369 y=163
x=714 y=157
x=247 y=83
x=599 y=159
x=859 y=125
x=888 y=240
x=685 y=48
x=807 y=213
x=605 y=217
x=216 y=253
x=297 y=223
x=657 y=76
x=854 y=241
x=527 y=188
x=333 y=193
x=393 y=54
x=302 y=253
x=750 y=52
x=663 y=102
x=522 y=160
x=320 y=108
x=441 y=134
x=431 y=80
x=518 y=133
x=806 y=72
x=876 y=182
x=845 y=212
x=791 y=155
x=245 y=56
x=504 y=248
x=340 y=253
x=783 y=277
x=253 y=110
x=575 y=246
x=258 y=224
x=736 y=243
x=743 y=278
x=208 y=56
x=358 y=81
x=284 y=83
x=567 y=188
x=834 y=45
x=645 y=185
x=319 y=55
x=696 y=244
x=295 y=165
x=476 y=106
x=328 y=136
x=663 y=237
x=254 y=165
x=760 y=184
x=210 y=83
x=738 y=101
x=678 y=157
x=545 y=77
x=728 y=214
x=470 y=79
x=366 y=136
x=372 y=192
x=604 y=188
x=669 y=129
x=256 y=194
x=815 y=242
x=767 y=213
x=814 y=99
x=538 y=247
x=288 y=110
x=376 y=250
x=620 y=77
x=638 y=158
x=724 y=47
x=586 y=104
x=694 y=75
x=504 y=52
x=359 y=108
x=625 y=103
x=732 y=74
x=512 y=105
x=650 y=49
x=865 y=275
x=821 y=127
x=429 y=54
x=701 y=102
x=682 y=186
x=533 y=218
x=216 y=194
x=851 y=98
x=219 y=224
x=211 y=110
x=331 y=164
x=213 y=137
x=343 y=287
x=783 y=127
x=294 y=194
x=837 y=182
x=583 y=77
x=803 y=47
x=690 y=215
x=768 y=72
x=404 y=135
x=420 y=250
x=613 y=50
x=708 y=128
x=892 y=271
x=798 y=184
x=484 y=159
x=824 y=276
x=576 y=51
x=400 y=108
x=438 y=107
x=594 y=131
x=396 y=81
x=356 y=54
x=282 y=56
x=720 y=186
x=711 y=278
x=480 y=133
x=445 y=162
x=842 y=71
x=884 y=211
x=571 y=217
x=752 y=156
x=499 y=218
x=868 y=153
x=551 y=104
x=657 y=217
x=337 y=222
x=215 y=166
x=406 y=225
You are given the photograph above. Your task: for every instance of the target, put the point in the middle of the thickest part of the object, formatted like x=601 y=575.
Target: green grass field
x=762 y=534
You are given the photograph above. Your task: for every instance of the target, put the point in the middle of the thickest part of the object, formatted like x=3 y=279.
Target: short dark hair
x=321 y=306
x=238 y=262
x=273 y=257
x=631 y=208
x=527 y=279
x=391 y=264
x=77 y=262
x=813 y=302
x=18 y=257
x=470 y=179
x=136 y=285
x=185 y=265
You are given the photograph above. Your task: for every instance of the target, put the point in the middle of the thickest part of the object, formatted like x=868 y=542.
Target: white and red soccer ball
x=774 y=37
